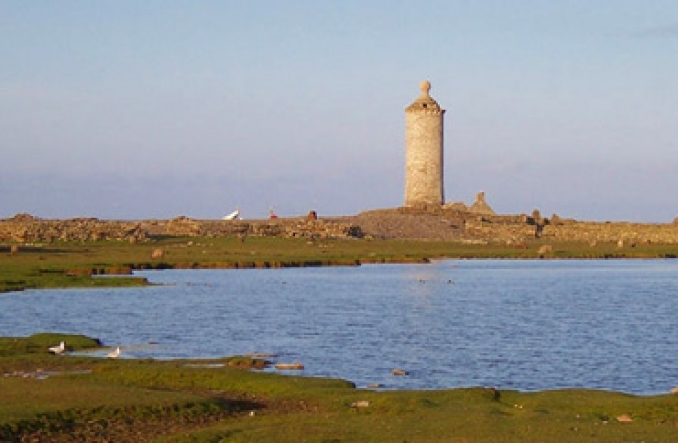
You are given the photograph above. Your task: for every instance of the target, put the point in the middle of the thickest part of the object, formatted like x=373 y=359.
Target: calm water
x=527 y=325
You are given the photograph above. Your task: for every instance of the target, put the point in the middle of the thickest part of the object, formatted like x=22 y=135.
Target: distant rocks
x=24 y=228
x=289 y=366
x=477 y=224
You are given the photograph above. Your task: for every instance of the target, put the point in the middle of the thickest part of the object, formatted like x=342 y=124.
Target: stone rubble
x=449 y=222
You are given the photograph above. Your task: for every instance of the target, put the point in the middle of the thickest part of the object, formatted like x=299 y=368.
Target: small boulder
x=158 y=254
x=360 y=404
x=624 y=418
x=289 y=366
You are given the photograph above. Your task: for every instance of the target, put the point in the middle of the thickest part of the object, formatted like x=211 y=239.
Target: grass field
x=72 y=398
x=89 y=399
x=72 y=264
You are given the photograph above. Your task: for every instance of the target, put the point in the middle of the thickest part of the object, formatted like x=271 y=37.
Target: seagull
x=58 y=349
x=114 y=354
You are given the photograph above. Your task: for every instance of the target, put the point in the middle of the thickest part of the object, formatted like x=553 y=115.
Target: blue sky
x=129 y=110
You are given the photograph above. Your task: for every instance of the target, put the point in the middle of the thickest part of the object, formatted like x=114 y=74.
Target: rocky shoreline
x=448 y=224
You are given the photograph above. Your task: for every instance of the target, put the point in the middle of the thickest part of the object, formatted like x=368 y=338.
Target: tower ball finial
x=425 y=87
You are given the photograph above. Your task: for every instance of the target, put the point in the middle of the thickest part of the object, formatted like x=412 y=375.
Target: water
x=527 y=325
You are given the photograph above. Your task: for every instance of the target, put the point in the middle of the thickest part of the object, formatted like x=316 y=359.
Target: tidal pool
x=512 y=324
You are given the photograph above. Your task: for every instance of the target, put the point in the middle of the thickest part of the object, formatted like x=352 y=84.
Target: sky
x=161 y=108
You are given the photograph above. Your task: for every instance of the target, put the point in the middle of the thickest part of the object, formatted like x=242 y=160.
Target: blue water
x=527 y=325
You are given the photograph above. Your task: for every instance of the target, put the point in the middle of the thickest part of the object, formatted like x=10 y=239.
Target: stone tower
x=424 y=151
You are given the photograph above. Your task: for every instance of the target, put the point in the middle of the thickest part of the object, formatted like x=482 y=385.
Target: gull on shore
x=58 y=349
x=114 y=354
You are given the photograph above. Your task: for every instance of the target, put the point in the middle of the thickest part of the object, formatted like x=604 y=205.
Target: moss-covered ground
x=73 y=264
x=71 y=398
x=75 y=398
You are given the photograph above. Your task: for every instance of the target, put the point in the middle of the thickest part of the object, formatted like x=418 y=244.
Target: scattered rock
x=399 y=372
x=289 y=366
x=158 y=254
x=624 y=418
x=447 y=222
x=360 y=404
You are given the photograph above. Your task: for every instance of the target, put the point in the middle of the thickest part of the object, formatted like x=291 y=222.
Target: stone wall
x=404 y=223
x=455 y=222
x=509 y=229
x=24 y=228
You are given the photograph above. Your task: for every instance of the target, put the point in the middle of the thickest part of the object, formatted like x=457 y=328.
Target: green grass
x=144 y=400
x=174 y=401
x=64 y=265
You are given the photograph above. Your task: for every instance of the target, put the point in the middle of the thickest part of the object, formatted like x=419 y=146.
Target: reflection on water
x=527 y=325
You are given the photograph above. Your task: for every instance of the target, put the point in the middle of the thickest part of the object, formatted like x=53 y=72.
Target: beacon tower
x=424 y=151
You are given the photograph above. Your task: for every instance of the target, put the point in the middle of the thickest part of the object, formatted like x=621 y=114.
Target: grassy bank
x=74 y=264
x=74 y=398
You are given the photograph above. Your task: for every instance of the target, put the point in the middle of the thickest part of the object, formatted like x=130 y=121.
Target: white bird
x=58 y=349
x=114 y=354
x=235 y=215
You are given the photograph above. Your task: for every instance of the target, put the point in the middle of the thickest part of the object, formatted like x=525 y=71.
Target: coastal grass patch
x=458 y=415
x=60 y=398
x=40 y=343
x=78 y=264
x=72 y=264
x=214 y=400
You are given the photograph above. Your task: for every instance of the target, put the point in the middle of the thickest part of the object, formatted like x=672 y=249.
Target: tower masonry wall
x=424 y=158
x=424 y=151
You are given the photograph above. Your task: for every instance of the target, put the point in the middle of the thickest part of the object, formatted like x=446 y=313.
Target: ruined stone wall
x=281 y=227
x=449 y=225
x=513 y=229
x=27 y=229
